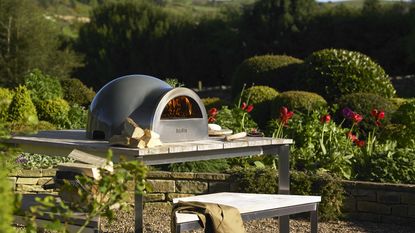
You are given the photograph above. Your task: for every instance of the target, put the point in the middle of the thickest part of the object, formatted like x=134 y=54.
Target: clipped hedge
x=75 y=92
x=21 y=108
x=277 y=71
x=405 y=114
x=261 y=97
x=55 y=111
x=6 y=97
x=254 y=180
x=336 y=72
x=363 y=103
x=212 y=102
x=299 y=101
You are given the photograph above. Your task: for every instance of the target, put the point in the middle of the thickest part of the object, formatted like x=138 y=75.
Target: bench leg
x=314 y=221
x=284 y=224
x=138 y=209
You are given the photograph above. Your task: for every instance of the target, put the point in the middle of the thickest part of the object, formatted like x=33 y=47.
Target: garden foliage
x=277 y=71
x=42 y=87
x=335 y=72
x=6 y=97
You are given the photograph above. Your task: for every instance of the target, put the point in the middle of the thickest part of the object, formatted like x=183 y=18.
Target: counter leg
x=284 y=183
x=138 y=209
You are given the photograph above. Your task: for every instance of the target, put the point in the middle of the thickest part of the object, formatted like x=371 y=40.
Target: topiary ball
x=336 y=72
x=405 y=114
x=261 y=97
x=298 y=101
x=6 y=97
x=277 y=71
x=363 y=103
x=55 y=111
x=22 y=109
x=75 y=92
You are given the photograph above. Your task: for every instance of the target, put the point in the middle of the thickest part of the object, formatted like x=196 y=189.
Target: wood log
x=81 y=168
x=235 y=136
x=122 y=140
x=131 y=129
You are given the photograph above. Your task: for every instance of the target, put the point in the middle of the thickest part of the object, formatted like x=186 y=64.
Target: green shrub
x=21 y=108
x=39 y=161
x=335 y=72
x=261 y=97
x=298 y=101
x=363 y=103
x=302 y=183
x=75 y=92
x=55 y=111
x=212 y=102
x=387 y=164
x=42 y=87
x=398 y=101
x=6 y=97
x=218 y=165
x=77 y=117
x=277 y=71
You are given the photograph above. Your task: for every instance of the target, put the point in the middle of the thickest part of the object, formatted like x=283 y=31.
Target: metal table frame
x=61 y=143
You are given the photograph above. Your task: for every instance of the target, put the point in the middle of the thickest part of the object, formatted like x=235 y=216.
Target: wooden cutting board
x=219 y=132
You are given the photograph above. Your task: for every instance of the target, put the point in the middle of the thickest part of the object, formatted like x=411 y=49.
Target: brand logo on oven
x=181 y=130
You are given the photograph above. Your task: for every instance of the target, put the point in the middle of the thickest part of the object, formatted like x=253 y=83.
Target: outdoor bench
x=74 y=222
x=251 y=206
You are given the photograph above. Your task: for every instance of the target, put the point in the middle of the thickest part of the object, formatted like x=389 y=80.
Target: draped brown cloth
x=214 y=218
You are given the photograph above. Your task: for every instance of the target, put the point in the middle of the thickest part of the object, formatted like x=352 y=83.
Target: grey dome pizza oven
x=177 y=114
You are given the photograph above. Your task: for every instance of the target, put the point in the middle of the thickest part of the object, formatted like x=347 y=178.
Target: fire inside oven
x=181 y=107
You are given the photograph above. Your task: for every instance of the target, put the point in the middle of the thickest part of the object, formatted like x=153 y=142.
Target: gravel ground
x=157 y=220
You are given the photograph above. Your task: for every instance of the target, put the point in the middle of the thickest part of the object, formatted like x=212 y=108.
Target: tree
x=28 y=40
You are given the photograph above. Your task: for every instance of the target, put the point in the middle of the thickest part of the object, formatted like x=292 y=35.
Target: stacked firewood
x=134 y=136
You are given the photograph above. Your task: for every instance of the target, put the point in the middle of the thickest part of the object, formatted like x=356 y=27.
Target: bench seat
x=252 y=206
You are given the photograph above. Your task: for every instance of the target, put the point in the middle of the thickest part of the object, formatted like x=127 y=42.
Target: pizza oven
x=177 y=114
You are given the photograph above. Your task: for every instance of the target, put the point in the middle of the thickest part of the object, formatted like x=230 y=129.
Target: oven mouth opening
x=181 y=107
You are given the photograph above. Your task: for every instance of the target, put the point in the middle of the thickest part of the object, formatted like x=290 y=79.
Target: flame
x=179 y=107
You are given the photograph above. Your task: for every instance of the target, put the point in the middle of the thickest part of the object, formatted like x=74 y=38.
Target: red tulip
x=325 y=118
x=285 y=115
x=357 y=118
x=360 y=143
x=381 y=115
x=352 y=137
x=243 y=106
x=213 y=112
x=374 y=113
x=249 y=108
x=211 y=119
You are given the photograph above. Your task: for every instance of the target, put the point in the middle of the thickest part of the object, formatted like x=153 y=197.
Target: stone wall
x=376 y=202
x=31 y=181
